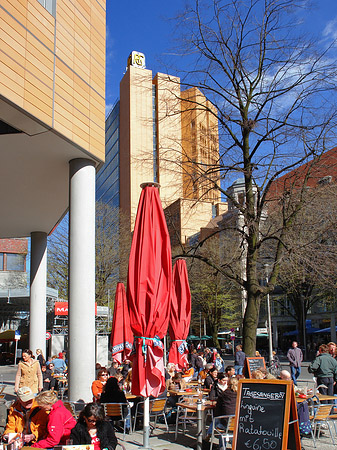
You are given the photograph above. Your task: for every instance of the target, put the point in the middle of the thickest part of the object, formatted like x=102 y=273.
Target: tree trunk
x=250 y=322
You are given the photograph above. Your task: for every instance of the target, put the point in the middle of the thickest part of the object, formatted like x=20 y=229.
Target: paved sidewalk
x=160 y=439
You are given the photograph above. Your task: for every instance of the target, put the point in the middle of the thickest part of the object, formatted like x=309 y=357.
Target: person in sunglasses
x=93 y=428
x=98 y=385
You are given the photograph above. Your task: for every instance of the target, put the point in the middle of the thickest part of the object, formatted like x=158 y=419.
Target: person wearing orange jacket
x=26 y=417
x=98 y=385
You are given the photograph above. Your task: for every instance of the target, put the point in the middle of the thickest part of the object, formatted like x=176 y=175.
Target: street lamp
x=271 y=356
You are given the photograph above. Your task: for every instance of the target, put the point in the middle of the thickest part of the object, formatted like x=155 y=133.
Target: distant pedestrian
x=239 y=362
x=295 y=358
x=324 y=367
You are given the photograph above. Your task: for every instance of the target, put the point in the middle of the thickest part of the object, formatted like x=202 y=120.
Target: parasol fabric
x=149 y=293
x=180 y=316
x=121 y=338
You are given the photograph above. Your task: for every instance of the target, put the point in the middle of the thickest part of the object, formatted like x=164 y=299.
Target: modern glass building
x=107 y=179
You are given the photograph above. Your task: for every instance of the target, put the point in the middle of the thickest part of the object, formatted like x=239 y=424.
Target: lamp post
x=270 y=336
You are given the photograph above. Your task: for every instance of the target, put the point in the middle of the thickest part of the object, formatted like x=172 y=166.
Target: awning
x=7 y=336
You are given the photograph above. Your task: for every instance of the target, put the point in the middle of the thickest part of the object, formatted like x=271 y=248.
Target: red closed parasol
x=180 y=316
x=121 y=338
x=149 y=293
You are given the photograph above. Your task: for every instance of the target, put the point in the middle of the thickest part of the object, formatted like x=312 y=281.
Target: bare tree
x=274 y=96
x=112 y=246
x=308 y=270
x=216 y=298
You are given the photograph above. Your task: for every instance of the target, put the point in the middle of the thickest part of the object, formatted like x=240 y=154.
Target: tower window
x=49 y=5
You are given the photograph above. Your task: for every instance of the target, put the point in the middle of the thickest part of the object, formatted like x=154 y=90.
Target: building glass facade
x=107 y=179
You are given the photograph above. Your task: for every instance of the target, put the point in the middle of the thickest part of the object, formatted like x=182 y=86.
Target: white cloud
x=330 y=29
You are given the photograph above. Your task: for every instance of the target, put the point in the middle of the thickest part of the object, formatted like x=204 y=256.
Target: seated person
x=170 y=371
x=257 y=375
x=112 y=393
x=230 y=371
x=113 y=368
x=225 y=405
x=98 y=367
x=218 y=388
x=60 y=423
x=177 y=383
x=98 y=385
x=128 y=381
x=211 y=378
x=126 y=367
x=49 y=381
x=188 y=373
x=285 y=375
x=92 y=428
x=59 y=364
x=26 y=417
x=204 y=373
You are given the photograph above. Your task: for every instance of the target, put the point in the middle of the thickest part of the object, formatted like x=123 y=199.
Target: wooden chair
x=321 y=416
x=225 y=434
x=120 y=410
x=71 y=407
x=157 y=408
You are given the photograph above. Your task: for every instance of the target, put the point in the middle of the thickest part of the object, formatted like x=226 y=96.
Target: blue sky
x=136 y=25
x=145 y=26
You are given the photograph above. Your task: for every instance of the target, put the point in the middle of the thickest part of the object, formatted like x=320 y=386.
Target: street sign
x=48 y=335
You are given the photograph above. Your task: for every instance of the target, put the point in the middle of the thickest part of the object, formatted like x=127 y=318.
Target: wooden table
x=184 y=393
x=130 y=396
x=205 y=406
x=321 y=398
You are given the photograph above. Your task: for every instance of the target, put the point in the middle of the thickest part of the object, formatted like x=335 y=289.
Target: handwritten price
x=266 y=444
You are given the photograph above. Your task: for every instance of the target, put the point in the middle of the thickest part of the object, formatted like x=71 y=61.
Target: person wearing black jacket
x=226 y=403
x=219 y=388
x=113 y=394
x=92 y=428
x=211 y=378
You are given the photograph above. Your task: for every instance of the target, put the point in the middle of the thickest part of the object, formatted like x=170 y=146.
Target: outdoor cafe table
x=321 y=398
x=183 y=392
x=130 y=396
x=206 y=406
x=189 y=392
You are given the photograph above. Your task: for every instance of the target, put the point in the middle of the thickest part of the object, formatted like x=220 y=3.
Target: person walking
x=239 y=362
x=324 y=367
x=295 y=358
x=29 y=373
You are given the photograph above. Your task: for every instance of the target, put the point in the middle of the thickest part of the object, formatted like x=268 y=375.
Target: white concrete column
x=38 y=283
x=81 y=321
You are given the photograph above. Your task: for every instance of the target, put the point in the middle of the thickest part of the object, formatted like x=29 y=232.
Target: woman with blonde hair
x=40 y=357
x=29 y=373
x=60 y=423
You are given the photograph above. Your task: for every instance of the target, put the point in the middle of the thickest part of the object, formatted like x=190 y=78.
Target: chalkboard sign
x=253 y=363
x=263 y=411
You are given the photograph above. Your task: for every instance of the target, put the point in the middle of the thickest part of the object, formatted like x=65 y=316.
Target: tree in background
x=308 y=271
x=112 y=247
x=274 y=94
x=215 y=299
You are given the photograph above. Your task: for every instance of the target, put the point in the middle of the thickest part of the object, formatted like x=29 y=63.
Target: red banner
x=61 y=309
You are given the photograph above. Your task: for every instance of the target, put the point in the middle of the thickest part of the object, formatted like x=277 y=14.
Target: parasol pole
x=165 y=348
x=146 y=426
